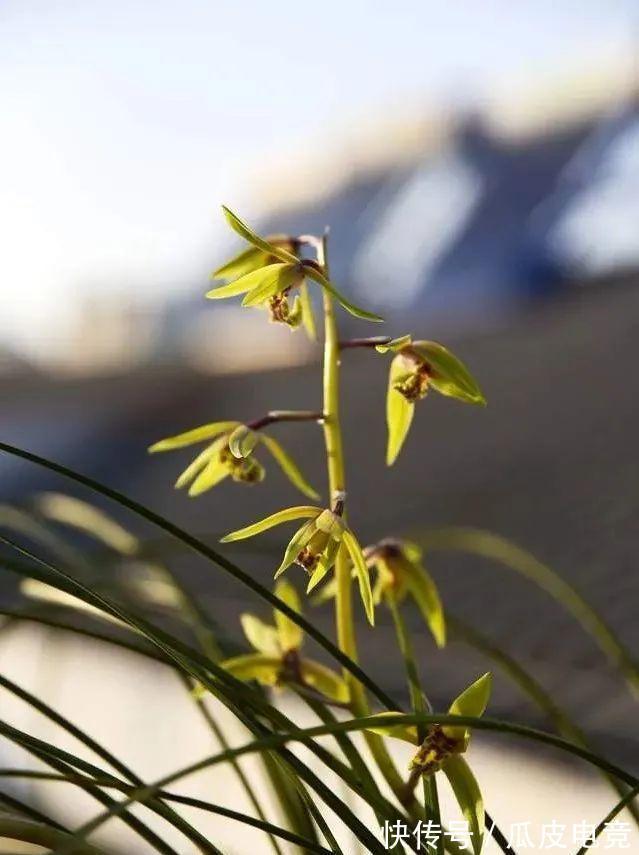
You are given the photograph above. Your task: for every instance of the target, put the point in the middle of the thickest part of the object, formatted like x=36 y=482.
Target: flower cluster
x=417 y=367
x=269 y=273
x=277 y=660
x=441 y=750
x=315 y=545
x=229 y=455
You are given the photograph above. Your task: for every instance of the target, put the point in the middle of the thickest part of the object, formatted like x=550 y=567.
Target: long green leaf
x=241 y=701
x=206 y=551
x=27 y=831
x=616 y=810
x=492 y=546
x=99 y=750
x=530 y=688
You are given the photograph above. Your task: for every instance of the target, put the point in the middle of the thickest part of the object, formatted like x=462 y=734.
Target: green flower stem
x=343 y=600
x=418 y=703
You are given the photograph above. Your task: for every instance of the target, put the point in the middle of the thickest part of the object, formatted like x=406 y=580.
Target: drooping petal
x=472 y=702
x=449 y=375
x=290 y=635
x=270 y=281
x=260 y=635
x=399 y=413
x=326 y=561
x=295 y=546
x=289 y=467
x=308 y=317
x=196 y=465
x=243 y=230
x=425 y=593
x=361 y=570
x=255 y=666
x=407 y=733
x=191 y=437
x=324 y=680
x=214 y=472
x=279 y=517
x=245 y=262
x=314 y=273
x=468 y=797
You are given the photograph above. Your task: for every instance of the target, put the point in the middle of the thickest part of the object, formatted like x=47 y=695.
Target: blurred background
x=478 y=165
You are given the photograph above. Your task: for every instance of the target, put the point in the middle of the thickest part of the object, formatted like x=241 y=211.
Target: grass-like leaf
x=492 y=546
x=207 y=552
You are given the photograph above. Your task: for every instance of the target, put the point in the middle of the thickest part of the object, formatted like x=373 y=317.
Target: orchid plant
x=126 y=594
x=273 y=272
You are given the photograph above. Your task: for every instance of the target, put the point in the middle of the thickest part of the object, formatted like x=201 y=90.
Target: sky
x=125 y=123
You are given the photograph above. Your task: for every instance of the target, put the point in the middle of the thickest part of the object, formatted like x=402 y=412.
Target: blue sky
x=125 y=123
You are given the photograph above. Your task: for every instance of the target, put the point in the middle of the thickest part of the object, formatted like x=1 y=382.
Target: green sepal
x=313 y=273
x=324 y=680
x=191 y=437
x=288 y=466
x=331 y=524
x=424 y=591
x=308 y=316
x=295 y=546
x=255 y=666
x=243 y=230
x=361 y=570
x=394 y=345
x=248 y=260
x=471 y=702
x=468 y=797
x=197 y=465
x=270 y=281
x=399 y=413
x=242 y=441
x=288 y=514
x=214 y=472
x=449 y=376
x=326 y=561
x=260 y=635
x=289 y=634
x=245 y=262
